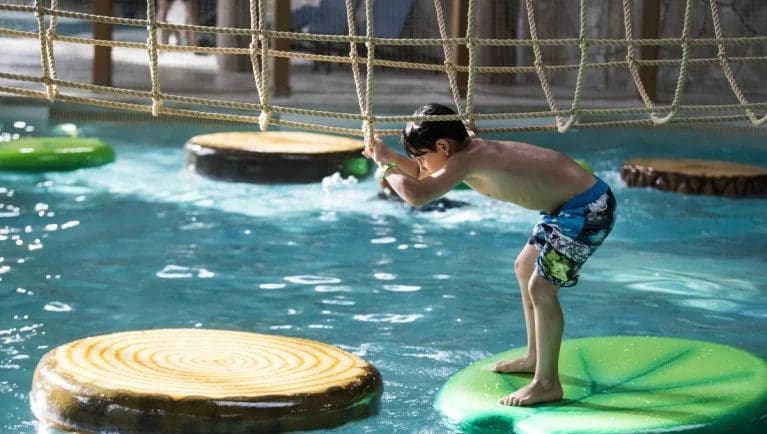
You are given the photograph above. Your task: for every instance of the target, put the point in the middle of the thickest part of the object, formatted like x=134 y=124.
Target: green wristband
x=384 y=169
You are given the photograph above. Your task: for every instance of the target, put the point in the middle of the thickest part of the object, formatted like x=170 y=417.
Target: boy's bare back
x=527 y=175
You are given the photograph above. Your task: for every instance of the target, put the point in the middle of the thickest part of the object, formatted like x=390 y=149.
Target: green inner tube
x=622 y=384
x=41 y=154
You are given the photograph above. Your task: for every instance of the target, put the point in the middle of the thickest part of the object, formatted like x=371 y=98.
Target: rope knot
x=265 y=117
x=51 y=89
x=367 y=131
x=156 y=105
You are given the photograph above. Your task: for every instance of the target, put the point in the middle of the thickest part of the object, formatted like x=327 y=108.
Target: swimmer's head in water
x=420 y=137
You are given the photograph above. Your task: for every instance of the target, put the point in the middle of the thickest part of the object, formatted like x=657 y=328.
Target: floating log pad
x=619 y=384
x=274 y=157
x=201 y=381
x=719 y=178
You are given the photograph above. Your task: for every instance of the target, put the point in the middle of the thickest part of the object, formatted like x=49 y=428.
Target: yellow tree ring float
x=275 y=157
x=201 y=381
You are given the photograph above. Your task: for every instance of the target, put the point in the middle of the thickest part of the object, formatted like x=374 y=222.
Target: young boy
x=576 y=208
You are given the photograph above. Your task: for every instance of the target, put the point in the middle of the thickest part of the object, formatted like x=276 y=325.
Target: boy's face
x=432 y=161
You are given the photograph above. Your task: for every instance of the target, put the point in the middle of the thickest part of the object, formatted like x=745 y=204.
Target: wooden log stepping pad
x=42 y=154
x=275 y=157
x=620 y=384
x=719 y=178
x=201 y=381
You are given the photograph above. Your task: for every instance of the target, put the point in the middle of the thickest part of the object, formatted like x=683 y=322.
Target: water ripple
x=385 y=276
x=180 y=272
x=392 y=318
x=332 y=288
x=312 y=279
x=383 y=240
x=402 y=288
x=57 y=306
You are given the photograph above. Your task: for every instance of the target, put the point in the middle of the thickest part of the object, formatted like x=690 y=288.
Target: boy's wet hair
x=420 y=137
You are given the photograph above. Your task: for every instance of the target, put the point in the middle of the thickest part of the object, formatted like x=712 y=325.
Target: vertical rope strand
x=49 y=45
x=152 y=48
x=538 y=63
x=254 y=60
x=631 y=59
x=263 y=39
x=353 y=56
x=42 y=35
x=682 y=79
x=472 y=78
x=369 y=122
x=452 y=76
x=581 y=70
x=724 y=62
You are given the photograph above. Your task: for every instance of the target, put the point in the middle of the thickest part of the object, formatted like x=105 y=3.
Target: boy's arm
x=382 y=154
x=420 y=192
x=407 y=165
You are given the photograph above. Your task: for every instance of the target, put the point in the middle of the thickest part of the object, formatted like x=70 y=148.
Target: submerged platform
x=621 y=384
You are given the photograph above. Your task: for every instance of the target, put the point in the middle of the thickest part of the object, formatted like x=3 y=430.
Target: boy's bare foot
x=534 y=393
x=524 y=364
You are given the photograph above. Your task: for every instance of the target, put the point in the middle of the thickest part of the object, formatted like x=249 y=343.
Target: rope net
x=701 y=44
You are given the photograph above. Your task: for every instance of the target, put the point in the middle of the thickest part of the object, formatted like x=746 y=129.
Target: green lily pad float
x=41 y=154
x=623 y=384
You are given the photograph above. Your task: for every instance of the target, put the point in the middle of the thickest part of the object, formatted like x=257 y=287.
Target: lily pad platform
x=201 y=381
x=718 y=178
x=275 y=157
x=626 y=384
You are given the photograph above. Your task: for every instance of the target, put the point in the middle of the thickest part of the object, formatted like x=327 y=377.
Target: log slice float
x=719 y=178
x=201 y=381
x=274 y=157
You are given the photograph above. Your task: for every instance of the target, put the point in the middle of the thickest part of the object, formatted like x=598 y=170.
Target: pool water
x=142 y=243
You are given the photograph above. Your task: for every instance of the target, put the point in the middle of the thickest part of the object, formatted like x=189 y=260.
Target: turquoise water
x=143 y=244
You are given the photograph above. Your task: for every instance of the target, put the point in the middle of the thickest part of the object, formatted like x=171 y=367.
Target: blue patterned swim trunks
x=569 y=235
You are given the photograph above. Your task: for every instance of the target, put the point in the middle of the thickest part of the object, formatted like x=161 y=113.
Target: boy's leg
x=524 y=267
x=549 y=324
